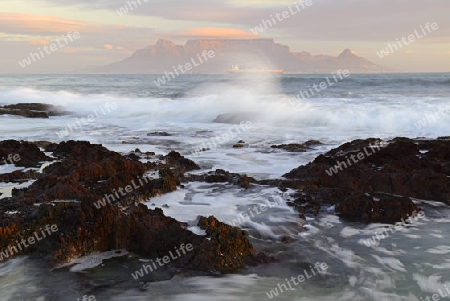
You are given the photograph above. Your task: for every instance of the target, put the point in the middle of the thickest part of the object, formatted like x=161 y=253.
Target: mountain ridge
x=165 y=55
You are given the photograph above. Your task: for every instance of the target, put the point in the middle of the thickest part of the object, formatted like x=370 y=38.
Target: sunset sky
x=325 y=27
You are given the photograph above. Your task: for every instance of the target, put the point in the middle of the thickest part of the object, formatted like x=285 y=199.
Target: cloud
x=112 y=47
x=324 y=20
x=34 y=29
x=211 y=32
x=36 y=24
x=25 y=33
x=39 y=42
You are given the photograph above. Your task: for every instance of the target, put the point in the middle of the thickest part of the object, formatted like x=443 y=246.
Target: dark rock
x=297 y=147
x=175 y=158
x=384 y=209
x=226 y=249
x=23 y=113
x=29 y=154
x=408 y=168
x=292 y=147
x=161 y=134
x=68 y=192
x=32 y=110
x=286 y=239
x=222 y=176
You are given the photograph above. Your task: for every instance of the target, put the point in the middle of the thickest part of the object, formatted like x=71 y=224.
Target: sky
x=327 y=27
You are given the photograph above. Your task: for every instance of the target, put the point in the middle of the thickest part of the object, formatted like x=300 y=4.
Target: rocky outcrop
x=32 y=110
x=298 y=147
x=93 y=195
x=223 y=176
x=176 y=159
x=223 y=244
x=373 y=181
x=381 y=209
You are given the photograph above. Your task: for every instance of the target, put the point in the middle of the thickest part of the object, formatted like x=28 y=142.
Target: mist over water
x=360 y=106
x=367 y=104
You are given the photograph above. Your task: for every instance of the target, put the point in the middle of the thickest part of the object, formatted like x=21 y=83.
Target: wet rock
x=408 y=168
x=222 y=176
x=32 y=110
x=297 y=147
x=286 y=239
x=384 y=209
x=29 y=155
x=293 y=147
x=83 y=194
x=161 y=134
x=226 y=249
x=176 y=159
x=238 y=145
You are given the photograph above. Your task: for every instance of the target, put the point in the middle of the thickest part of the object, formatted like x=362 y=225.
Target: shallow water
x=410 y=264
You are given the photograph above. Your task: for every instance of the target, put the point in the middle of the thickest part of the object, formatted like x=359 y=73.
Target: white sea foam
x=390 y=262
x=92 y=260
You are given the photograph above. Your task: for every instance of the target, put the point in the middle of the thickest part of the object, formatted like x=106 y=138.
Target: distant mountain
x=164 y=56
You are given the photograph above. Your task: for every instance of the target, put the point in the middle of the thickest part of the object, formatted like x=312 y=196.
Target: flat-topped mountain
x=246 y=53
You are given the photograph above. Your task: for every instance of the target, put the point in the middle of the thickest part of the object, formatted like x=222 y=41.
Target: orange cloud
x=27 y=23
x=39 y=42
x=218 y=33
x=112 y=47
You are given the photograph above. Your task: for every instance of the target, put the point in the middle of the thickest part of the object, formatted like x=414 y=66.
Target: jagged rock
x=418 y=169
x=226 y=249
x=175 y=158
x=68 y=192
x=29 y=154
x=383 y=209
x=297 y=147
x=222 y=176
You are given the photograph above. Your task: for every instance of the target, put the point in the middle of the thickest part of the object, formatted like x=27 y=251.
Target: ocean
x=119 y=112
